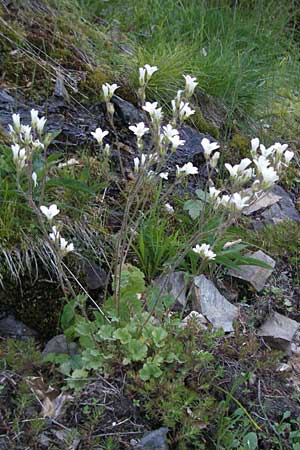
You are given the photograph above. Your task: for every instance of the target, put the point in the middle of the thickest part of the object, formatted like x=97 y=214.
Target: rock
x=214 y=306
x=197 y=318
x=127 y=112
x=155 y=440
x=176 y=284
x=279 y=331
x=59 y=344
x=191 y=151
x=284 y=209
x=6 y=98
x=10 y=327
x=264 y=201
x=256 y=275
x=95 y=276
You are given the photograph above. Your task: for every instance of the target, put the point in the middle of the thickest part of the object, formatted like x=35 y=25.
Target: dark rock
x=155 y=440
x=58 y=344
x=127 y=112
x=176 y=284
x=10 y=327
x=6 y=98
x=95 y=276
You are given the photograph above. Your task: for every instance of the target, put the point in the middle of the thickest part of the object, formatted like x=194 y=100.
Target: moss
x=91 y=86
x=198 y=121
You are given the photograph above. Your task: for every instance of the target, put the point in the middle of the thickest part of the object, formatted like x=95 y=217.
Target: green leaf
x=202 y=195
x=70 y=183
x=194 y=208
x=150 y=370
x=68 y=314
x=105 y=332
x=250 y=441
x=123 y=335
x=137 y=350
x=159 y=335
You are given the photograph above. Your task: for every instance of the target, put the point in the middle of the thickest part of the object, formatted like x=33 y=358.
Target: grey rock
x=6 y=98
x=196 y=317
x=176 y=284
x=214 y=306
x=255 y=275
x=59 y=344
x=155 y=440
x=283 y=210
x=127 y=112
x=279 y=331
x=95 y=276
x=264 y=201
x=11 y=327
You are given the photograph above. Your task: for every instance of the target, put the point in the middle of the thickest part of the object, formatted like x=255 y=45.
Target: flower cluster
x=26 y=138
x=204 y=250
x=62 y=245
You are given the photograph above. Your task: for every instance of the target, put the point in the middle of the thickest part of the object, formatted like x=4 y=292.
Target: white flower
x=280 y=148
x=40 y=123
x=142 y=73
x=16 y=122
x=26 y=132
x=106 y=150
x=34 y=117
x=209 y=147
x=19 y=156
x=266 y=152
x=34 y=179
x=223 y=200
x=139 y=162
x=99 y=135
x=176 y=141
x=50 y=212
x=185 y=111
x=169 y=132
x=65 y=247
x=139 y=129
x=204 y=250
x=288 y=156
x=254 y=146
x=214 y=159
x=190 y=84
x=169 y=208
x=54 y=236
x=164 y=175
x=150 y=70
x=37 y=144
x=238 y=201
x=239 y=170
x=153 y=111
x=213 y=192
x=269 y=176
x=109 y=90
x=261 y=163
x=187 y=169
x=15 y=151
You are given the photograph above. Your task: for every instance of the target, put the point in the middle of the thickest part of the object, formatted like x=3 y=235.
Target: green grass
x=248 y=48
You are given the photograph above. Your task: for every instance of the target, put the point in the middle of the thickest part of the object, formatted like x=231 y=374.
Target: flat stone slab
x=11 y=327
x=208 y=301
x=279 y=331
x=155 y=440
x=255 y=275
x=58 y=344
x=264 y=201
